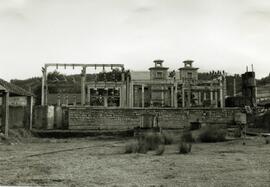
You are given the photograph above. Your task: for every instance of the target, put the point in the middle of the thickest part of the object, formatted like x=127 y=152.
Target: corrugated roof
x=14 y=89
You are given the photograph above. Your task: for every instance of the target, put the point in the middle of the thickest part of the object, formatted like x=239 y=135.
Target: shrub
x=237 y=133
x=151 y=140
x=267 y=140
x=168 y=138
x=160 y=150
x=213 y=134
x=184 y=148
x=132 y=147
x=187 y=137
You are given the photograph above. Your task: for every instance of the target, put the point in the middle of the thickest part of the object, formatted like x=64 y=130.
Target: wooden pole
x=30 y=107
x=5 y=113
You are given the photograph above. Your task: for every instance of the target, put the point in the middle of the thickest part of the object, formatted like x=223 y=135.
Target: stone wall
x=124 y=119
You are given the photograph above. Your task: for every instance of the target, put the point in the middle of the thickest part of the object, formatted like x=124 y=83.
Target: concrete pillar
x=211 y=96
x=172 y=96
x=131 y=94
x=162 y=96
x=204 y=96
x=189 y=98
x=5 y=113
x=175 y=95
x=83 y=78
x=88 y=95
x=105 y=101
x=183 y=95
x=106 y=98
x=234 y=86
x=58 y=100
x=216 y=99
x=42 y=87
x=123 y=77
x=121 y=96
x=142 y=96
x=66 y=100
x=221 y=95
x=128 y=92
x=199 y=98
x=74 y=100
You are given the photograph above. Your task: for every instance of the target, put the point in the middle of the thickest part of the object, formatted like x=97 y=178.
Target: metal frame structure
x=44 y=88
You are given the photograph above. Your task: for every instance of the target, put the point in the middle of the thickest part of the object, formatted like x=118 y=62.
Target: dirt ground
x=101 y=162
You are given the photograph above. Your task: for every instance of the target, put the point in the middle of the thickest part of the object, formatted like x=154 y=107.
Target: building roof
x=188 y=68
x=13 y=89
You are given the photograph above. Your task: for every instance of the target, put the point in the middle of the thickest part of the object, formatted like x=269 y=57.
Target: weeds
x=168 y=138
x=213 y=134
x=160 y=150
x=184 y=148
x=187 y=137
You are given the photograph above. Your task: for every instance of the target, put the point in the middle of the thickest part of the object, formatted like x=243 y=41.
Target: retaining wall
x=125 y=118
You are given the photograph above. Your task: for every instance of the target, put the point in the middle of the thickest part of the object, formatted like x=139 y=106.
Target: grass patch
x=187 y=137
x=168 y=138
x=184 y=147
x=146 y=142
x=160 y=150
x=213 y=134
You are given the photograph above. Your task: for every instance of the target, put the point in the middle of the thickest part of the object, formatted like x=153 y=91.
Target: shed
x=8 y=91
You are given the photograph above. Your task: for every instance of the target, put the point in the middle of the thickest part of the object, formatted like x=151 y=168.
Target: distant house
x=16 y=106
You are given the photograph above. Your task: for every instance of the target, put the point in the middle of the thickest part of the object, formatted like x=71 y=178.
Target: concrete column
x=162 y=96
x=66 y=100
x=131 y=94
x=74 y=100
x=42 y=87
x=121 y=95
x=175 y=95
x=58 y=100
x=199 y=98
x=128 y=92
x=106 y=98
x=234 y=86
x=211 y=96
x=204 y=96
x=123 y=77
x=142 y=96
x=5 y=113
x=172 y=96
x=88 y=95
x=105 y=101
x=216 y=99
x=83 y=78
x=221 y=95
x=183 y=96
x=189 y=97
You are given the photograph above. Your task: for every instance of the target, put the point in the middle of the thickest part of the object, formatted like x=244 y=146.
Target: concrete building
x=157 y=87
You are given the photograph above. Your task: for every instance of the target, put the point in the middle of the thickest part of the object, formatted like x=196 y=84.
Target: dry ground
x=101 y=162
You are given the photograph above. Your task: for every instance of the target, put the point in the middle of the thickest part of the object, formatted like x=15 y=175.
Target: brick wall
x=124 y=119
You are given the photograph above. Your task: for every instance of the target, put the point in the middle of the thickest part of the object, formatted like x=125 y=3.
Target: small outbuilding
x=16 y=107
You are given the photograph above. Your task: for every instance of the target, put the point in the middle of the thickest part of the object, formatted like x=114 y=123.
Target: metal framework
x=44 y=88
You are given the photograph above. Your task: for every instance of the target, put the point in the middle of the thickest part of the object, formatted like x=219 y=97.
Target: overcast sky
x=217 y=34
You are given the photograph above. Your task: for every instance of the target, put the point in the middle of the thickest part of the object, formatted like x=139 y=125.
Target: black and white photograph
x=134 y=93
